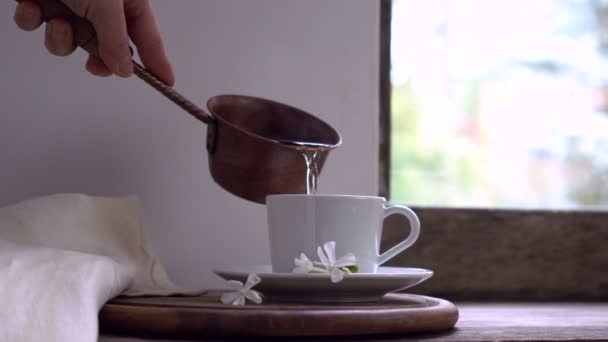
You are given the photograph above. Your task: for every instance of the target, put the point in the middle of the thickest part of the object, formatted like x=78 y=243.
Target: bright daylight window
x=499 y=103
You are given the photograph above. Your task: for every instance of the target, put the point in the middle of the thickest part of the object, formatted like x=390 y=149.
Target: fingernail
x=125 y=65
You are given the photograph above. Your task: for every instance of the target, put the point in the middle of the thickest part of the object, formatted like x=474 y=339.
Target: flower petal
x=230 y=297
x=301 y=269
x=304 y=258
x=347 y=260
x=234 y=284
x=330 y=250
x=239 y=301
x=323 y=258
x=252 y=280
x=302 y=261
x=254 y=296
x=336 y=275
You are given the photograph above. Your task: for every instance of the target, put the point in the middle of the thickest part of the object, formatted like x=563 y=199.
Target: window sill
x=506 y=322
x=514 y=255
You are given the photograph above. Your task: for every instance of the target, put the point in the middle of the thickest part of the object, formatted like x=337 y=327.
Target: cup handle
x=412 y=237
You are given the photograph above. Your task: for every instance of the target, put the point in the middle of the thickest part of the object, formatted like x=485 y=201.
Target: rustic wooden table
x=499 y=322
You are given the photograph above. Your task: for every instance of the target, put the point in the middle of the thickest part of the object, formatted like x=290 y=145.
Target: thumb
x=108 y=18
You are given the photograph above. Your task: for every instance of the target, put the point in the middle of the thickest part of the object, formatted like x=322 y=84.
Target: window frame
x=385 y=98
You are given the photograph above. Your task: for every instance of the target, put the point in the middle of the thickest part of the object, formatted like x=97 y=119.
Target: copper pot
x=246 y=155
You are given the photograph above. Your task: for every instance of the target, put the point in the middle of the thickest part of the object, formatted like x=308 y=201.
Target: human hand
x=115 y=21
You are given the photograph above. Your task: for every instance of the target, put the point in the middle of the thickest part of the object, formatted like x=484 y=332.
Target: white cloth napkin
x=63 y=256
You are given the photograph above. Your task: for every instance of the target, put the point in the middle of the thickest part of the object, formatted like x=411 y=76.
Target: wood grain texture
x=493 y=322
x=479 y=254
x=528 y=322
x=205 y=316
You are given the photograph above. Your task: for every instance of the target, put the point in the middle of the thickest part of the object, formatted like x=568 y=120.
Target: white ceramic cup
x=301 y=223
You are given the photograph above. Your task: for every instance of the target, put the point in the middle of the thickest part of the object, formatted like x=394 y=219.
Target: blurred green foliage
x=425 y=171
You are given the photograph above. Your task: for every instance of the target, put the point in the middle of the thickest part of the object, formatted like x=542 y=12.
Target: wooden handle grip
x=85 y=37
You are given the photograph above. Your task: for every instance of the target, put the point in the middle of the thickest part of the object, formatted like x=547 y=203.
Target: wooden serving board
x=205 y=316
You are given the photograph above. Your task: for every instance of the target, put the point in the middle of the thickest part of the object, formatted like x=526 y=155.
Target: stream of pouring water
x=312 y=170
x=311 y=154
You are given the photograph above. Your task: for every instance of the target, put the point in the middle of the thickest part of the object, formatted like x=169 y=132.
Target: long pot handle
x=85 y=37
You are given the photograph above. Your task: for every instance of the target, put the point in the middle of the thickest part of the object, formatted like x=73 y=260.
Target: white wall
x=62 y=130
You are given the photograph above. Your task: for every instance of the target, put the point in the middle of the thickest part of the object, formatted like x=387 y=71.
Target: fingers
x=96 y=67
x=144 y=30
x=28 y=15
x=59 y=37
x=108 y=18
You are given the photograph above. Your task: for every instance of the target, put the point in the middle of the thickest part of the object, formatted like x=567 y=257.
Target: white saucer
x=317 y=287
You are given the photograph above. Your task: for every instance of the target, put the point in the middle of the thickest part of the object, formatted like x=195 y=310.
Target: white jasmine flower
x=329 y=262
x=240 y=291
x=303 y=264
